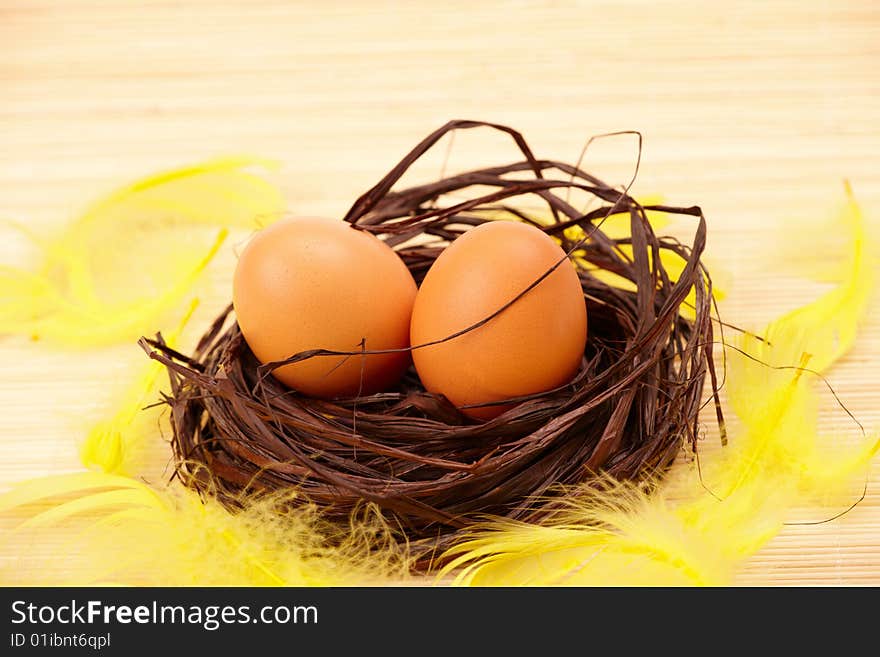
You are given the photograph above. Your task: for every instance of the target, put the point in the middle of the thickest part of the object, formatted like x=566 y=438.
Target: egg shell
x=310 y=283
x=533 y=346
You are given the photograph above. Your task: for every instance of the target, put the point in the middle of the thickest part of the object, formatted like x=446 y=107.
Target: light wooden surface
x=754 y=110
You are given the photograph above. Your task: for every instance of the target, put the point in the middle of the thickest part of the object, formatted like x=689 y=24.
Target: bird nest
x=628 y=412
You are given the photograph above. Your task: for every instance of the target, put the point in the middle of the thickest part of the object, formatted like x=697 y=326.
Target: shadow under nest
x=628 y=412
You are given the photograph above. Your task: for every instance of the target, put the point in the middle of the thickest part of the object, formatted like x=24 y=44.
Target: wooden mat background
x=754 y=110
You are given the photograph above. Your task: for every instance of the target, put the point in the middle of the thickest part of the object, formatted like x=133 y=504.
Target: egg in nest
x=308 y=283
x=534 y=345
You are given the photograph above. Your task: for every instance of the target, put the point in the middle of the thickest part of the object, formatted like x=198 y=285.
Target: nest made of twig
x=628 y=412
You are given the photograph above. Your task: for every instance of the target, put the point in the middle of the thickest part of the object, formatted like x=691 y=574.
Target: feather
x=118 y=530
x=133 y=255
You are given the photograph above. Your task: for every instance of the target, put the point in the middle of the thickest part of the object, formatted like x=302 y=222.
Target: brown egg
x=320 y=284
x=534 y=345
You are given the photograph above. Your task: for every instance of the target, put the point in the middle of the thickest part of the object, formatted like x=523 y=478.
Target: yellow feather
x=122 y=531
x=132 y=256
x=814 y=336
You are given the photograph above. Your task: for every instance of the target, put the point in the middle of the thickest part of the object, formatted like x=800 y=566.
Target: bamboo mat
x=754 y=110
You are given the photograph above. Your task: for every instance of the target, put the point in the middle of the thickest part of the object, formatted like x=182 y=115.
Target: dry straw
x=630 y=410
